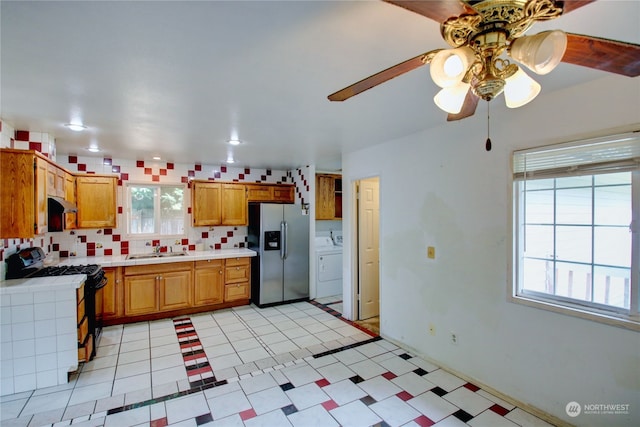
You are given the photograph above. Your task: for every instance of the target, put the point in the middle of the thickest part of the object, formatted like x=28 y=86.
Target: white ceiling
x=178 y=79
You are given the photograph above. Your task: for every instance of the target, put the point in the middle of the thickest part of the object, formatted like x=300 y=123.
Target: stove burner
x=65 y=270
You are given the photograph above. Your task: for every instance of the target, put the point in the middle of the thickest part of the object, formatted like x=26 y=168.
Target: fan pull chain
x=487 y=145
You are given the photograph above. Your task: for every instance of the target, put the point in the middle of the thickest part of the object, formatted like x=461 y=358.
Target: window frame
x=155 y=235
x=616 y=316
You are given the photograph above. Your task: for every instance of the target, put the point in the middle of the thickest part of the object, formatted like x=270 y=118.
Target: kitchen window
x=576 y=228
x=155 y=210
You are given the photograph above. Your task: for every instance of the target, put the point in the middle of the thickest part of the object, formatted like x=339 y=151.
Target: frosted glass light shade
x=542 y=52
x=451 y=99
x=520 y=89
x=449 y=66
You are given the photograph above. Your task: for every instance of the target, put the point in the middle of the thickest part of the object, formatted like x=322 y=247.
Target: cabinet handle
x=220 y=271
x=237 y=268
x=208 y=260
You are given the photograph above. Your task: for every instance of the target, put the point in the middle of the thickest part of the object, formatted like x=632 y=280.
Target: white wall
x=441 y=188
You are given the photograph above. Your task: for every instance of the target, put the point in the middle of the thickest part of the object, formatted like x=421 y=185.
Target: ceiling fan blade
x=571 y=5
x=603 y=54
x=382 y=76
x=468 y=108
x=438 y=10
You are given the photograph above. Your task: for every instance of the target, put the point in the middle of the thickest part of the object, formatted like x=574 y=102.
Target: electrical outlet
x=432 y=329
x=431 y=252
x=454 y=338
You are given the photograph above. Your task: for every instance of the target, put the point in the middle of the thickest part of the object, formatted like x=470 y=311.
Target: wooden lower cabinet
x=161 y=287
x=209 y=282
x=133 y=292
x=85 y=339
x=237 y=279
x=175 y=290
x=112 y=294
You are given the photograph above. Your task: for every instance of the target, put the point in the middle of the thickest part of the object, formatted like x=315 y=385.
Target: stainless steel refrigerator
x=280 y=271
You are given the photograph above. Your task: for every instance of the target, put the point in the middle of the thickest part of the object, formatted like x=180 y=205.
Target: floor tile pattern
x=225 y=369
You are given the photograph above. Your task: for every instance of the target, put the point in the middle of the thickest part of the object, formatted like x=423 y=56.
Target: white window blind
x=614 y=153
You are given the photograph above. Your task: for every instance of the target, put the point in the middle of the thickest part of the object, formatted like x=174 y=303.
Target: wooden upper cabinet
x=96 y=201
x=207 y=203
x=17 y=195
x=55 y=181
x=234 y=204
x=70 y=196
x=274 y=193
x=328 y=196
x=42 y=211
x=216 y=203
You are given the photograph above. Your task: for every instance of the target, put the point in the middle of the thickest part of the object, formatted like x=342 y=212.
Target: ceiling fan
x=486 y=35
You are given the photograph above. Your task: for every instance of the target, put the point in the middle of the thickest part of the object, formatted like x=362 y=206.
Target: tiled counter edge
x=38 y=332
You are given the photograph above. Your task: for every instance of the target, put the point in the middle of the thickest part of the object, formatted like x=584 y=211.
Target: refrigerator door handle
x=283 y=240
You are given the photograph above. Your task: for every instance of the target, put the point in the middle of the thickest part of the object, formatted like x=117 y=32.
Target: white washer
x=328 y=268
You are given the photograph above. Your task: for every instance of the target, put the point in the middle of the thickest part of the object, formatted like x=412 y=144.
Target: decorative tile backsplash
x=106 y=242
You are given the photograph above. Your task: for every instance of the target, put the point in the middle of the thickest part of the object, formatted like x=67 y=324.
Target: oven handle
x=101 y=284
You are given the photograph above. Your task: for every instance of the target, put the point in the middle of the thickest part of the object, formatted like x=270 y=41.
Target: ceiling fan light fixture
x=520 y=89
x=449 y=66
x=451 y=99
x=542 y=52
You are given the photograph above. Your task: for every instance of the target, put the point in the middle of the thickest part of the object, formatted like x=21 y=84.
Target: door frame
x=355 y=250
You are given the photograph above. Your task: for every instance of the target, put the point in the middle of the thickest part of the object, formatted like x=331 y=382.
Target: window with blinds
x=576 y=226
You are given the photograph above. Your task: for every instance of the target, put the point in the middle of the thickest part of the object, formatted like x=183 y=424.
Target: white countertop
x=121 y=260
x=38 y=284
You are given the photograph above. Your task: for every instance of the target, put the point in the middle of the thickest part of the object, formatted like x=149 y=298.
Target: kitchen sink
x=157 y=255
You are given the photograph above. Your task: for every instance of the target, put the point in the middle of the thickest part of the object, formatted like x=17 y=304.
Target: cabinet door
x=70 y=195
x=207 y=202
x=259 y=193
x=51 y=180
x=234 y=204
x=175 y=290
x=42 y=213
x=325 y=193
x=140 y=294
x=17 y=204
x=236 y=291
x=96 y=200
x=209 y=282
x=284 y=193
x=112 y=293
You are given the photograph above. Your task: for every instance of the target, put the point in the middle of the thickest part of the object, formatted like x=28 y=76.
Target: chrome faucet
x=156 y=249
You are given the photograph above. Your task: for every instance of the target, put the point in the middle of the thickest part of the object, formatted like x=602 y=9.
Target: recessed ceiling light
x=93 y=149
x=76 y=127
x=156 y=158
x=234 y=142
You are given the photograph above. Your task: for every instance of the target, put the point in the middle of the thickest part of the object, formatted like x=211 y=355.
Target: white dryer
x=328 y=267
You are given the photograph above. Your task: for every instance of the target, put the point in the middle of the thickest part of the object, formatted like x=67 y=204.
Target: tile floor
x=296 y=365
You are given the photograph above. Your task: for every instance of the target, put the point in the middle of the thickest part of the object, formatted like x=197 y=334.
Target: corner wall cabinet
x=26 y=181
x=328 y=196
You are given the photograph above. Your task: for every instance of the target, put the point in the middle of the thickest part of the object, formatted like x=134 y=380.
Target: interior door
x=368 y=248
